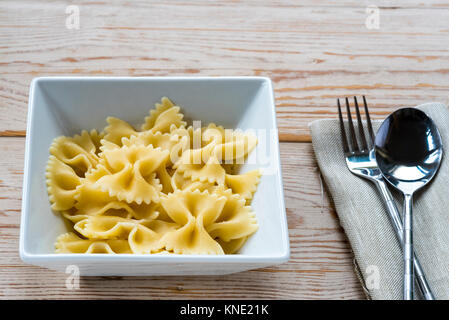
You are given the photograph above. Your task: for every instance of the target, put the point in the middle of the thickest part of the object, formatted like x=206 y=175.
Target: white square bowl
x=67 y=105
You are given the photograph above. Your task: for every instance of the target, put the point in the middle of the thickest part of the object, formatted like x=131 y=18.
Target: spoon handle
x=408 y=247
x=396 y=221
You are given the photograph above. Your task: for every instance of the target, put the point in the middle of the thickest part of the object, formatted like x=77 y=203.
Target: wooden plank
x=320 y=266
x=314 y=52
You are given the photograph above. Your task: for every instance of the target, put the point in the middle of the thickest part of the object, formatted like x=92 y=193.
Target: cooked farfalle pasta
x=167 y=188
x=163 y=117
x=71 y=158
x=218 y=146
x=129 y=173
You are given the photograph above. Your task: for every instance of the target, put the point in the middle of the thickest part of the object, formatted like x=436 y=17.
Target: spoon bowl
x=408 y=150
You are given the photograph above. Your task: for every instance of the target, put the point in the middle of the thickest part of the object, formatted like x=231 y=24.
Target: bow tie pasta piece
x=168 y=142
x=148 y=239
x=71 y=243
x=244 y=184
x=209 y=172
x=163 y=117
x=231 y=146
x=219 y=147
x=179 y=182
x=236 y=151
x=73 y=216
x=130 y=173
x=234 y=147
x=117 y=130
x=96 y=138
x=194 y=212
x=143 y=236
x=236 y=220
x=193 y=136
x=109 y=227
x=164 y=141
x=213 y=135
x=233 y=246
x=62 y=182
x=70 y=160
x=175 y=142
x=188 y=132
x=79 y=152
x=105 y=227
x=192 y=238
x=164 y=178
x=199 y=165
x=97 y=173
x=92 y=201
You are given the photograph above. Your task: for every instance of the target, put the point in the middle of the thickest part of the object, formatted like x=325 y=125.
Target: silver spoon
x=408 y=152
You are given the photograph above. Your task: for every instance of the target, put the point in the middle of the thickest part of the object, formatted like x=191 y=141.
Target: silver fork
x=361 y=161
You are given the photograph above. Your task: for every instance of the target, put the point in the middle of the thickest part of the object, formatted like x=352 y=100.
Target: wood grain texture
x=314 y=51
x=321 y=265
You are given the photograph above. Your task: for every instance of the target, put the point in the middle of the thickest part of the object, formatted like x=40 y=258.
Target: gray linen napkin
x=365 y=220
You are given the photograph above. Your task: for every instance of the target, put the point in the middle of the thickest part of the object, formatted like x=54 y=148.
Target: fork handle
x=396 y=221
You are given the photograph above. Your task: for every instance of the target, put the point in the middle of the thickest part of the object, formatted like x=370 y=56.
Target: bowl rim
x=33 y=258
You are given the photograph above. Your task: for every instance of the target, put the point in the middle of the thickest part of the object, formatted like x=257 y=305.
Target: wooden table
x=313 y=50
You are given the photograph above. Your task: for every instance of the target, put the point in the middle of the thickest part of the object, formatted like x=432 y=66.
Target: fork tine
x=368 y=120
x=352 y=137
x=360 y=125
x=342 y=129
